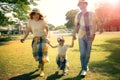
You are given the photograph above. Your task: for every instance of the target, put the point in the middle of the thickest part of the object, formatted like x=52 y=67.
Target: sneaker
x=83 y=73
x=87 y=68
x=42 y=73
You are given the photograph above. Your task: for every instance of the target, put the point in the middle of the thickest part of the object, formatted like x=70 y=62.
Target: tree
x=18 y=8
x=70 y=15
x=108 y=16
x=60 y=27
x=51 y=27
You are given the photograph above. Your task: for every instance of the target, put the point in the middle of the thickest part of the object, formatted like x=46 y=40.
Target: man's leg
x=88 y=51
x=82 y=48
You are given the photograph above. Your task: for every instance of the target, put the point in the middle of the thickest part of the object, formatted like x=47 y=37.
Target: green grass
x=17 y=63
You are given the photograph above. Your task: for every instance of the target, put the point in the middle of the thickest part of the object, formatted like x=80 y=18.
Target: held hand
x=22 y=40
x=47 y=40
x=74 y=37
x=101 y=31
x=91 y=38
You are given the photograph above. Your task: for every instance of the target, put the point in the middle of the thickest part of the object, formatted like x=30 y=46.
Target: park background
x=16 y=61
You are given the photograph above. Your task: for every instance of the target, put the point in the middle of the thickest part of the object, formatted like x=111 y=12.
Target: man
x=85 y=26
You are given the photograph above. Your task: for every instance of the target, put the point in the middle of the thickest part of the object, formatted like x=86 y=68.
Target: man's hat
x=82 y=1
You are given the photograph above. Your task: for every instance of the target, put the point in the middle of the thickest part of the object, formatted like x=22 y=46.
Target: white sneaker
x=83 y=73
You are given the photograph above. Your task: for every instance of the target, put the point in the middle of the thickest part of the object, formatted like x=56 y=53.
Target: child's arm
x=51 y=44
x=72 y=44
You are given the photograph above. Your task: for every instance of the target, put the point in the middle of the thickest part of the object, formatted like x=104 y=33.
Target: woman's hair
x=41 y=17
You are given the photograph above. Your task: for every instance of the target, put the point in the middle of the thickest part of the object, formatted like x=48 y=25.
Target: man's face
x=82 y=6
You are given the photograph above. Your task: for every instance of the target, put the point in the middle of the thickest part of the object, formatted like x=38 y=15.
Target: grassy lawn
x=17 y=63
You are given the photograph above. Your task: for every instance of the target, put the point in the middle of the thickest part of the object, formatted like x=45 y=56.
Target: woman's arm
x=26 y=34
x=46 y=27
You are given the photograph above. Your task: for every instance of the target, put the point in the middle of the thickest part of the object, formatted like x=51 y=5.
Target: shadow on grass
x=54 y=76
x=3 y=43
x=111 y=66
x=26 y=76
x=76 y=50
x=78 y=77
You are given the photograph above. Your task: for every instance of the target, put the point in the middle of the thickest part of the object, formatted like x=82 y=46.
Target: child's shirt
x=62 y=50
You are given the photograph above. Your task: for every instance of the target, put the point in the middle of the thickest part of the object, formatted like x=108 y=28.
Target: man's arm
x=72 y=44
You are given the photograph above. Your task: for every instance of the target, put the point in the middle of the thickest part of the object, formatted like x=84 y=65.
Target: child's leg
x=64 y=66
x=58 y=62
x=67 y=66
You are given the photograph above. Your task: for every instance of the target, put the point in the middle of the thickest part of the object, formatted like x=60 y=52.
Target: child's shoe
x=64 y=73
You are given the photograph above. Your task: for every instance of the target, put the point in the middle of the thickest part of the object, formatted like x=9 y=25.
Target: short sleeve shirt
x=38 y=27
x=62 y=49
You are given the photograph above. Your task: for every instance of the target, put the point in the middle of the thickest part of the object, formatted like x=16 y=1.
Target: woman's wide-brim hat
x=35 y=10
x=82 y=1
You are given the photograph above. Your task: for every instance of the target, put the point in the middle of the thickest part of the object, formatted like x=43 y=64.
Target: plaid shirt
x=92 y=24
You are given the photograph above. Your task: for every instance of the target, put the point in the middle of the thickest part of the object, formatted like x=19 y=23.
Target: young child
x=61 y=59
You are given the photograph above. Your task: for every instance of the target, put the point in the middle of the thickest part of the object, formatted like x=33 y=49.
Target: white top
x=38 y=27
x=82 y=30
x=62 y=49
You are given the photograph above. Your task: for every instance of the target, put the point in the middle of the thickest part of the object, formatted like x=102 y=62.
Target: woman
x=39 y=29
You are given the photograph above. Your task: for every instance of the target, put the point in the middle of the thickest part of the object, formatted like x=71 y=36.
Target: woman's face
x=36 y=16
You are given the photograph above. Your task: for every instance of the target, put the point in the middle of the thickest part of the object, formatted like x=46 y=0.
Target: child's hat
x=60 y=39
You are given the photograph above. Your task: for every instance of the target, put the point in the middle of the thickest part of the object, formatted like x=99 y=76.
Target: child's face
x=61 y=42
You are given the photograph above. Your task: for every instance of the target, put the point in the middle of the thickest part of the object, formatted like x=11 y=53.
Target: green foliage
x=106 y=14
x=18 y=8
x=60 y=27
x=51 y=27
x=70 y=15
x=3 y=19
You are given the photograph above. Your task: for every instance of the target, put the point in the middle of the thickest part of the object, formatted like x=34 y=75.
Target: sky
x=55 y=10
